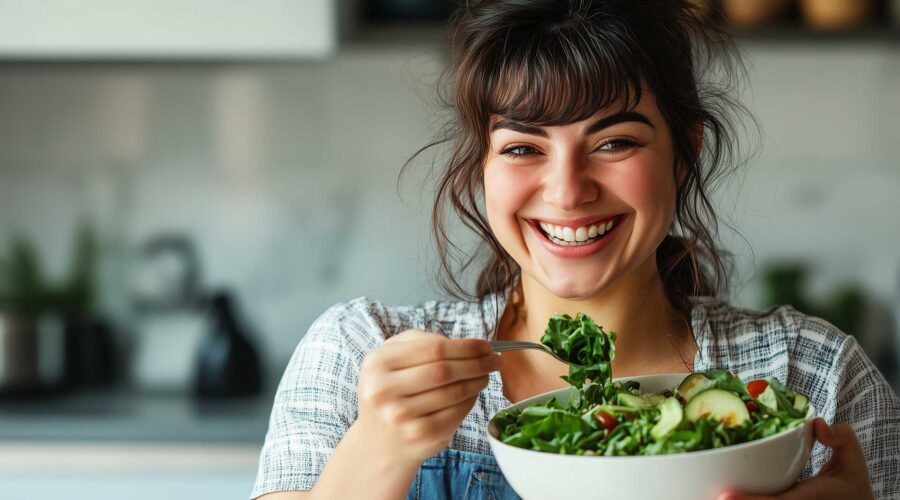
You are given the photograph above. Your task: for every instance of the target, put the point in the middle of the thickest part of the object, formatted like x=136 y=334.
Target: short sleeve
x=316 y=401
x=860 y=396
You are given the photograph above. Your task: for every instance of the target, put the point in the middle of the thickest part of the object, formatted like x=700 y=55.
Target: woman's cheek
x=647 y=188
x=506 y=193
x=505 y=190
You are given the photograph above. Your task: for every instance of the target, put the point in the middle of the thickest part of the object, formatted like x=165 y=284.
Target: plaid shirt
x=316 y=401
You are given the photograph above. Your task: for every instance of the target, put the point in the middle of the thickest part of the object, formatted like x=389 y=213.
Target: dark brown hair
x=552 y=62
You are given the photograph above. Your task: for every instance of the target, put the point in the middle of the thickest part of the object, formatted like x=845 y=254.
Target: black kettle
x=227 y=363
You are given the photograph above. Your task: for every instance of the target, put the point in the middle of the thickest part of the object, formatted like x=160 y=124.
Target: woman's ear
x=697 y=143
x=697 y=135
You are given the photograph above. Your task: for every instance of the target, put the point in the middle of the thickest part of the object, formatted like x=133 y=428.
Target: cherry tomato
x=751 y=406
x=756 y=387
x=606 y=420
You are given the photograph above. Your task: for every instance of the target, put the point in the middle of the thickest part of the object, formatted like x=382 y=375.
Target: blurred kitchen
x=183 y=191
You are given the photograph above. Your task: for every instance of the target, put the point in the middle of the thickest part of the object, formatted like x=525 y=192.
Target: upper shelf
x=389 y=34
x=792 y=34
x=142 y=30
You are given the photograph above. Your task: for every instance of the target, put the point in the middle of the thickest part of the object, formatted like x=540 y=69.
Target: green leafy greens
x=581 y=341
x=614 y=418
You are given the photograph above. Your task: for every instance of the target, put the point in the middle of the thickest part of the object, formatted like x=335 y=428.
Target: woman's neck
x=649 y=330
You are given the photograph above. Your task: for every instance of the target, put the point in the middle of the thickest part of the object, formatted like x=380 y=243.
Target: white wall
x=285 y=175
x=822 y=186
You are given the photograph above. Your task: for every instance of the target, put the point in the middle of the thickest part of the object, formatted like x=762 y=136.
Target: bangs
x=555 y=75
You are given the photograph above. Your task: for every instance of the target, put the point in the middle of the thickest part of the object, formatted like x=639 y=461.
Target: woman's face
x=581 y=205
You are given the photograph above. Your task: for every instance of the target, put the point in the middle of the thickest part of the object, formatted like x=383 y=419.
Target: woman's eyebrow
x=609 y=121
x=602 y=123
x=519 y=127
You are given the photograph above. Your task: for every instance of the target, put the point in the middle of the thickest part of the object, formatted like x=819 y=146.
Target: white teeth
x=581 y=234
x=573 y=236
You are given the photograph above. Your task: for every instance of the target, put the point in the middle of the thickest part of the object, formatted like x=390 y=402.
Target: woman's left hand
x=843 y=476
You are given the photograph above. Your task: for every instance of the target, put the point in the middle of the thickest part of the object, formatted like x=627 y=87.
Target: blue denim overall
x=455 y=474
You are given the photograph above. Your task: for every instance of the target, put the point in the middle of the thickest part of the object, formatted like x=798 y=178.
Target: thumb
x=846 y=452
x=834 y=436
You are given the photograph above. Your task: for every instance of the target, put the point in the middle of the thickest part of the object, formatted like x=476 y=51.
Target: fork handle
x=512 y=345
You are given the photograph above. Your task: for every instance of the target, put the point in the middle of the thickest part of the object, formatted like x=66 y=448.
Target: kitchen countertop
x=120 y=416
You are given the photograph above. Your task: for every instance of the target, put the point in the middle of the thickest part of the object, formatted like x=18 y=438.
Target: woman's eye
x=616 y=145
x=518 y=151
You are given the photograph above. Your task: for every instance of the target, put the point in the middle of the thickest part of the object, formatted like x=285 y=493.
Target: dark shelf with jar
x=401 y=22
x=790 y=21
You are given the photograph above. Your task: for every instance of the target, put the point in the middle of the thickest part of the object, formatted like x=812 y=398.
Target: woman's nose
x=568 y=184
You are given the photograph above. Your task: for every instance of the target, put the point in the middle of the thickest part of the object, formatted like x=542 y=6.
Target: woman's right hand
x=417 y=387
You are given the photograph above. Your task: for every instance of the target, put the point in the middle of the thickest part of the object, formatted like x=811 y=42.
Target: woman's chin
x=577 y=288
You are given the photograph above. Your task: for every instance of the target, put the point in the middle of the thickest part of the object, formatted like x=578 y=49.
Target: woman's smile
x=576 y=239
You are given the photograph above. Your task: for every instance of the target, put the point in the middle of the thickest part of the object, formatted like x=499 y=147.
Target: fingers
x=420 y=348
x=449 y=417
x=447 y=396
x=423 y=378
x=438 y=425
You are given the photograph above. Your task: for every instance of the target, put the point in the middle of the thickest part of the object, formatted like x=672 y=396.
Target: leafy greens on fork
x=581 y=341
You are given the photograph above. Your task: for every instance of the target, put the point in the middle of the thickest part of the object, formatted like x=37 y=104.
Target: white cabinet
x=167 y=29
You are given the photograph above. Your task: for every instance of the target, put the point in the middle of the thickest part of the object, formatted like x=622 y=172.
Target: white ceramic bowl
x=767 y=465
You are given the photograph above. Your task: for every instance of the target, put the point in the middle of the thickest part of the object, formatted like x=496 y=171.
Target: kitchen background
x=173 y=218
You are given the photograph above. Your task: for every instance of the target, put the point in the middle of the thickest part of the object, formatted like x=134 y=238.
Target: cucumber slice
x=692 y=385
x=632 y=401
x=801 y=403
x=767 y=398
x=719 y=405
x=655 y=399
x=671 y=415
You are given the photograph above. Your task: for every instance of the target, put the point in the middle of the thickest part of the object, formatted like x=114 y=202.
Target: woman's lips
x=575 y=252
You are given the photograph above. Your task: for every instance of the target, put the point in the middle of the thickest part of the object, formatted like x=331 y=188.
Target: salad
x=707 y=410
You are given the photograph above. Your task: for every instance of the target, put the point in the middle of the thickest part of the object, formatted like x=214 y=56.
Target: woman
x=586 y=136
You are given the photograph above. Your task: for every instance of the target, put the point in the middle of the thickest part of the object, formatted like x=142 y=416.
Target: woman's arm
x=864 y=400
x=286 y=495
x=413 y=391
x=357 y=469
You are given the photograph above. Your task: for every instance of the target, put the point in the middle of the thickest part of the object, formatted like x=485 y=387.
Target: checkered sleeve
x=863 y=398
x=316 y=401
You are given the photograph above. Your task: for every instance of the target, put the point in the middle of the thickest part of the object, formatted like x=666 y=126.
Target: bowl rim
x=494 y=441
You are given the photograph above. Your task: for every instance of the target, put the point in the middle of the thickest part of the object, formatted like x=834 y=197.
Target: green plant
x=24 y=290
x=785 y=283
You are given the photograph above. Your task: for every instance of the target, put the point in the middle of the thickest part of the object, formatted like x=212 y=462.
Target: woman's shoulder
x=779 y=339
x=780 y=324
x=369 y=319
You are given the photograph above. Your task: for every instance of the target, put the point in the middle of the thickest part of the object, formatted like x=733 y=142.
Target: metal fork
x=513 y=345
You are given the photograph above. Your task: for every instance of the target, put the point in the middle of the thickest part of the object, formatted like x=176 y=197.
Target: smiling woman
x=586 y=137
